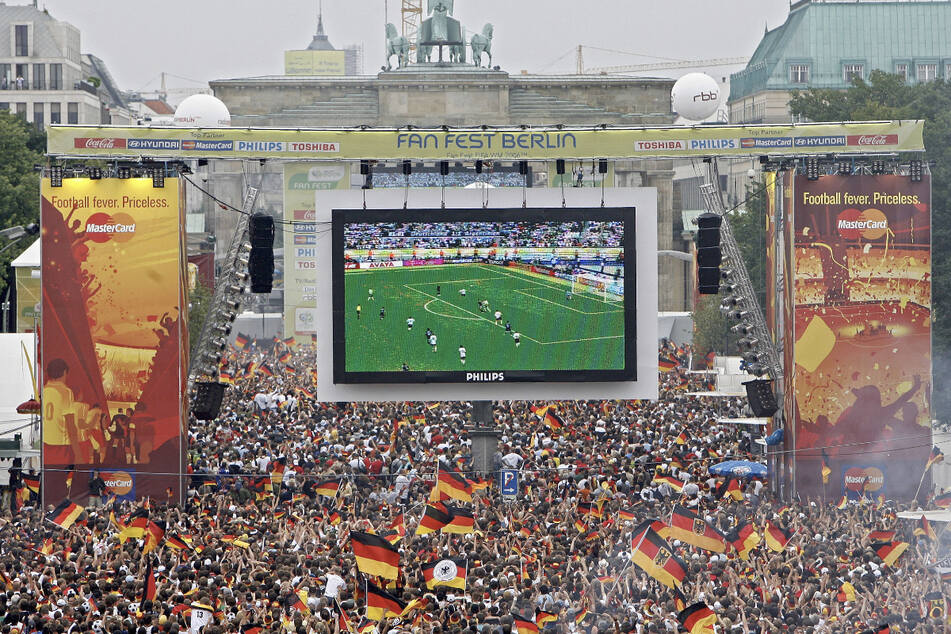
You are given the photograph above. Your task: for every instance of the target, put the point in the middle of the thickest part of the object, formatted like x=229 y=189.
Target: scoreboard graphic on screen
x=482 y=296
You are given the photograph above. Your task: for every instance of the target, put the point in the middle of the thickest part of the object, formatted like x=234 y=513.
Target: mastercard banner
x=862 y=336
x=113 y=337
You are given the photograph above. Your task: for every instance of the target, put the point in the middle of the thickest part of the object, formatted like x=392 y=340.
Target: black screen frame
x=342 y=217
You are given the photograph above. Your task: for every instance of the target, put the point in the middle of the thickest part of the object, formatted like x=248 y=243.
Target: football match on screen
x=484 y=300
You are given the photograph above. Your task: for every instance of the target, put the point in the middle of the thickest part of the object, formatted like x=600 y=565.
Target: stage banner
x=493 y=143
x=302 y=183
x=114 y=336
x=862 y=334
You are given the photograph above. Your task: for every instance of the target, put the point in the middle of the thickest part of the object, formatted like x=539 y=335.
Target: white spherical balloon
x=202 y=111
x=695 y=96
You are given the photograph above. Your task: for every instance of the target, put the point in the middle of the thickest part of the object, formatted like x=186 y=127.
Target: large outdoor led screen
x=484 y=295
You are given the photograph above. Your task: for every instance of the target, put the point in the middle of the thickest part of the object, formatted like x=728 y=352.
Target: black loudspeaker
x=444 y=168
x=261 y=260
x=407 y=168
x=523 y=167
x=761 y=397
x=207 y=401
x=602 y=166
x=560 y=166
x=364 y=168
x=709 y=255
x=478 y=166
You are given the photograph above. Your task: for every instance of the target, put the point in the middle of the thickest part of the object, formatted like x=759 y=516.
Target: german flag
x=554 y=421
x=277 y=473
x=461 y=521
x=365 y=626
x=398 y=527
x=226 y=378
x=446 y=572
x=936 y=456
x=289 y=342
x=241 y=341
x=175 y=541
x=542 y=617
x=328 y=488
x=672 y=482
x=284 y=358
x=305 y=392
x=881 y=536
x=654 y=556
x=692 y=529
x=32 y=483
x=890 y=551
x=592 y=536
x=69 y=477
x=825 y=470
x=846 y=593
x=149 y=590
x=944 y=573
x=65 y=514
x=734 y=491
x=249 y=368
x=943 y=501
x=587 y=508
x=47 y=547
x=479 y=484
x=254 y=628
x=381 y=604
x=298 y=602
x=842 y=503
x=776 y=537
x=265 y=370
x=681 y=439
x=580 y=616
x=453 y=483
x=744 y=539
x=375 y=555
x=923 y=529
x=435 y=516
x=626 y=515
x=667 y=364
x=697 y=618
x=334 y=518
x=154 y=533
x=523 y=625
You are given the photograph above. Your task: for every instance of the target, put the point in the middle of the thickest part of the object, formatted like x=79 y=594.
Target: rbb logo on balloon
x=101 y=227
x=870 y=224
x=118 y=483
x=864 y=479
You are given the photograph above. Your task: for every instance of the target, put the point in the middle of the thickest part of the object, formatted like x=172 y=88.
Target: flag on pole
x=375 y=555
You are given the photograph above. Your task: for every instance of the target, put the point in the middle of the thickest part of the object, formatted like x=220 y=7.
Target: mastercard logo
x=118 y=483
x=870 y=224
x=102 y=227
x=856 y=478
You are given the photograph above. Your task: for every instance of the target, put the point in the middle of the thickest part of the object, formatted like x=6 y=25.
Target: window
x=39 y=76
x=21 y=40
x=72 y=112
x=947 y=71
x=21 y=110
x=55 y=114
x=902 y=71
x=56 y=76
x=38 y=116
x=799 y=74
x=4 y=106
x=926 y=72
x=852 y=71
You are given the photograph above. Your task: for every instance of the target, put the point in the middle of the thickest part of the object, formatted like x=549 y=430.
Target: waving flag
x=776 y=537
x=375 y=555
x=381 y=604
x=446 y=572
x=652 y=554
x=692 y=529
x=65 y=514
x=697 y=618
x=744 y=539
x=891 y=551
x=435 y=516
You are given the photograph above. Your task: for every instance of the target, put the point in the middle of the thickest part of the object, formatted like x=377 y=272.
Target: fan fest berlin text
x=487 y=140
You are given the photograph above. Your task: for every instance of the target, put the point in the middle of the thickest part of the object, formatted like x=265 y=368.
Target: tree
x=21 y=147
x=199 y=303
x=887 y=96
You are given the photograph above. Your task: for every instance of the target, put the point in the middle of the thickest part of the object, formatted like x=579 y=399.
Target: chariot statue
x=440 y=39
x=397 y=45
x=482 y=43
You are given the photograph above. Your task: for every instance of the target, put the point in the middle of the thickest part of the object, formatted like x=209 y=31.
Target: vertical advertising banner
x=862 y=334
x=302 y=183
x=28 y=299
x=112 y=341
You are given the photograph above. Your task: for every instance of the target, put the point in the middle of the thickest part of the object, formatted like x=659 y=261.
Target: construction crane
x=667 y=64
x=412 y=16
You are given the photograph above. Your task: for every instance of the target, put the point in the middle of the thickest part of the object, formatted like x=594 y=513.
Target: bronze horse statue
x=482 y=43
x=397 y=45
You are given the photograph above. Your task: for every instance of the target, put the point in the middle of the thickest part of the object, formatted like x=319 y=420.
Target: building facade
x=828 y=43
x=44 y=76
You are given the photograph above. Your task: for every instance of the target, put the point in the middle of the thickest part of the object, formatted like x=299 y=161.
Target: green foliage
x=21 y=147
x=886 y=96
x=711 y=330
x=199 y=303
x=748 y=222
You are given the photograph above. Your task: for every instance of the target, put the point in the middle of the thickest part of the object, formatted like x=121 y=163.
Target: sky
x=201 y=40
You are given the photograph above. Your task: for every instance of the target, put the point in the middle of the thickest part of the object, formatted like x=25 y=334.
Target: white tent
x=30 y=257
x=941 y=515
x=16 y=387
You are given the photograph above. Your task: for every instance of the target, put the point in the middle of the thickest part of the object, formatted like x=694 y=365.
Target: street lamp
x=13 y=234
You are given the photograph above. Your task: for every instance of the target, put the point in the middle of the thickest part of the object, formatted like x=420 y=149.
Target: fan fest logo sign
x=862 y=353
x=113 y=336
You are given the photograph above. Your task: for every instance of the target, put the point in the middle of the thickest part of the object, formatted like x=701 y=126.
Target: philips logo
x=712 y=144
x=261 y=146
x=484 y=377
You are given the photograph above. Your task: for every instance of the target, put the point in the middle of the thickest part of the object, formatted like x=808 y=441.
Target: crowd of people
x=505 y=235
x=283 y=561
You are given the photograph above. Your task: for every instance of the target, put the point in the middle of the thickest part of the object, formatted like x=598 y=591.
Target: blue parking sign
x=509 y=482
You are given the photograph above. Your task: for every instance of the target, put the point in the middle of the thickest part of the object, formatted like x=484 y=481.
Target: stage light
x=914 y=171
x=756 y=369
x=233 y=305
x=739 y=315
x=56 y=176
x=732 y=300
x=241 y=276
x=878 y=167
x=748 y=343
x=223 y=329
x=728 y=288
x=726 y=274
x=742 y=329
x=812 y=169
x=229 y=316
x=235 y=289
x=124 y=172
x=844 y=168
x=158 y=177
x=95 y=173
x=753 y=357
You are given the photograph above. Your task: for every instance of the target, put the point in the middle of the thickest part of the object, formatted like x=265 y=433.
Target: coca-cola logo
x=99 y=143
x=873 y=139
x=864 y=478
